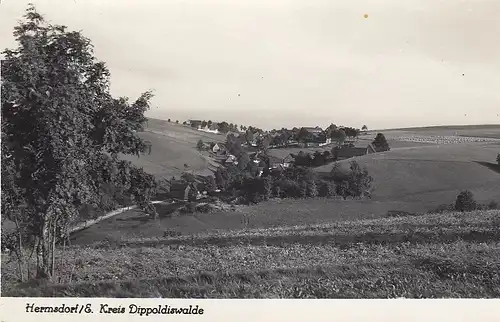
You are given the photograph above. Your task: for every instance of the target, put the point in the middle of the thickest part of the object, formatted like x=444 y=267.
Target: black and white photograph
x=250 y=149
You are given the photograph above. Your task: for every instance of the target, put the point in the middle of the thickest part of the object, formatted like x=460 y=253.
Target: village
x=275 y=150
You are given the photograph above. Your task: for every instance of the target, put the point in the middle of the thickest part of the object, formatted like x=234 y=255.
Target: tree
x=380 y=143
x=223 y=127
x=168 y=121
x=267 y=187
x=312 y=189
x=303 y=135
x=360 y=182
x=200 y=145
x=364 y=128
x=203 y=124
x=249 y=137
x=263 y=142
x=339 y=136
x=465 y=201
x=62 y=132
x=177 y=122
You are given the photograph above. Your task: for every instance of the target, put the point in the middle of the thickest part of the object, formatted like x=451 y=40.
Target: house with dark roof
x=180 y=189
x=313 y=130
x=370 y=149
x=341 y=153
x=195 y=123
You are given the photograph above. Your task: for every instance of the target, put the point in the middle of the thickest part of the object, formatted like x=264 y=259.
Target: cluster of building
x=197 y=124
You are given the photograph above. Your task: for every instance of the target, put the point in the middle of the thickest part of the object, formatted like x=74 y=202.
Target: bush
x=200 y=145
x=397 y=213
x=288 y=188
x=343 y=188
x=204 y=208
x=312 y=189
x=189 y=208
x=268 y=186
x=359 y=182
x=443 y=208
x=465 y=201
x=493 y=205
x=326 y=189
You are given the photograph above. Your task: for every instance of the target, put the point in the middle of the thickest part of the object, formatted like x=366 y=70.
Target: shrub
x=199 y=145
x=303 y=189
x=397 y=213
x=189 y=208
x=359 y=182
x=312 y=189
x=268 y=186
x=443 y=208
x=493 y=205
x=465 y=201
x=204 y=208
x=288 y=188
x=343 y=188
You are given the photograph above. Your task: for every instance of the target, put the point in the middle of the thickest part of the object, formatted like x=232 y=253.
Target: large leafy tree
x=62 y=134
x=380 y=143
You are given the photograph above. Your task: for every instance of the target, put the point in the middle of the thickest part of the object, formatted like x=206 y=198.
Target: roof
x=371 y=147
x=351 y=152
x=313 y=129
x=273 y=159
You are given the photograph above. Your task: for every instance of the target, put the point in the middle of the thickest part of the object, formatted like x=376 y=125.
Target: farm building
x=215 y=148
x=276 y=163
x=180 y=190
x=351 y=152
x=370 y=149
x=194 y=123
x=314 y=130
x=231 y=159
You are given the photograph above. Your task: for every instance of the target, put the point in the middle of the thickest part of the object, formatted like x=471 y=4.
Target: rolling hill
x=173 y=145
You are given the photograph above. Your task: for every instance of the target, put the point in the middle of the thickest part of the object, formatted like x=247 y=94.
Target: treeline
x=294 y=182
x=465 y=201
x=312 y=160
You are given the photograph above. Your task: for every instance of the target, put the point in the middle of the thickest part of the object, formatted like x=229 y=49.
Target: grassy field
x=484 y=131
x=451 y=255
x=173 y=145
x=431 y=174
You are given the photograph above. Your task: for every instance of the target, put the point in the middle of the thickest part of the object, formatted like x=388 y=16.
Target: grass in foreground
x=451 y=255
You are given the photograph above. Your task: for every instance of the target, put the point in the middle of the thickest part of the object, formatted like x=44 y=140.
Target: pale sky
x=294 y=62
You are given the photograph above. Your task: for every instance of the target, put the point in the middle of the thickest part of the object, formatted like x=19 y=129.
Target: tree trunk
x=44 y=252
x=53 y=249
x=18 y=250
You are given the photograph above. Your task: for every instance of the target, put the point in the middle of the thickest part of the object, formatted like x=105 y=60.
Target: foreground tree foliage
x=62 y=132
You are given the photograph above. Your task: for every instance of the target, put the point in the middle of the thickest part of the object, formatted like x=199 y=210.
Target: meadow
x=426 y=256
x=173 y=145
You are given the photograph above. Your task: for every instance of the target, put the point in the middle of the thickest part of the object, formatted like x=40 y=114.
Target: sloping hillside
x=431 y=174
x=446 y=255
x=173 y=145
